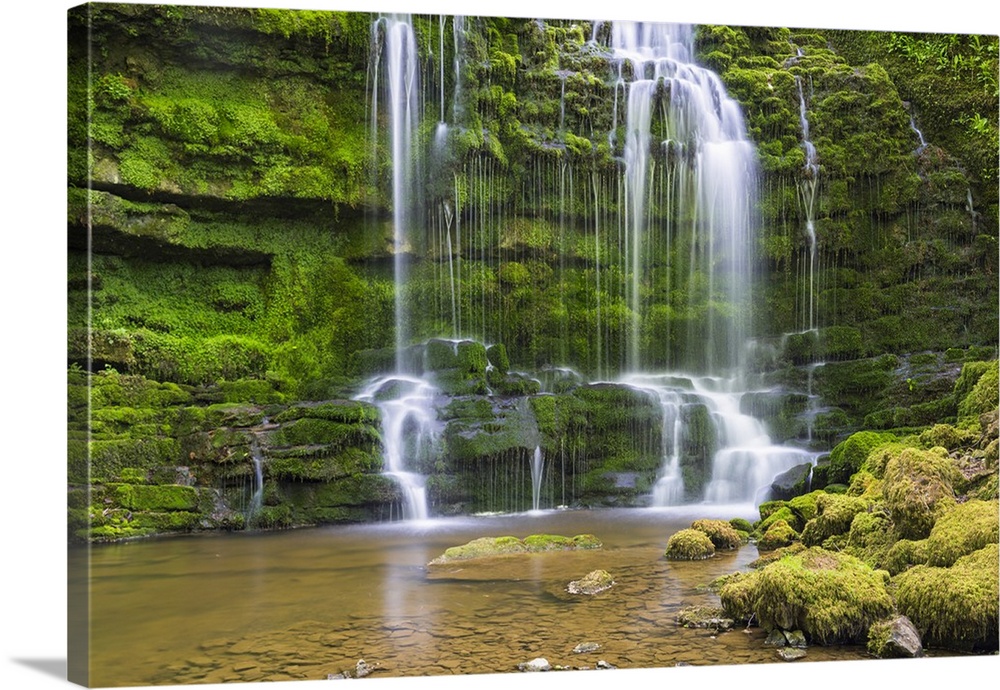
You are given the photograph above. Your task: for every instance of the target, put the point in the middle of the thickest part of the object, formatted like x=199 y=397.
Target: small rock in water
x=591 y=583
x=585 y=647
x=604 y=664
x=776 y=638
x=796 y=638
x=539 y=664
x=791 y=653
x=362 y=668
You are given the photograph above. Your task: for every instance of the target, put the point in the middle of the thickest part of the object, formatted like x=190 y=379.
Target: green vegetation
x=689 y=545
x=485 y=547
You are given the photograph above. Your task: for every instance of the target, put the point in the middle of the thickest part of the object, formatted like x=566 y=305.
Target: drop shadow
x=50 y=667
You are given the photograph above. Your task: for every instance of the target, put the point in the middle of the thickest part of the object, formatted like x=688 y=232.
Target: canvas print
x=415 y=345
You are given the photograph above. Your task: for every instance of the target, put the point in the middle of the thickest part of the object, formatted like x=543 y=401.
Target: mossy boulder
x=778 y=535
x=784 y=513
x=792 y=482
x=833 y=598
x=918 y=488
x=904 y=554
x=895 y=638
x=984 y=394
x=485 y=547
x=834 y=515
x=957 y=607
x=689 y=545
x=722 y=534
x=741 y=525
x=965 y=528
x=847 y=457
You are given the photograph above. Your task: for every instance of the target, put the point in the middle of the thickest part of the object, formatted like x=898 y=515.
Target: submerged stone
x=591 y=583
x=535 y=665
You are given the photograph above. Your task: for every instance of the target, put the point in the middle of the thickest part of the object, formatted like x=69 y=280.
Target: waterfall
x=807 y=195
x=672 y=249
x=409 y=434
x=709 y=165
x=395 y=49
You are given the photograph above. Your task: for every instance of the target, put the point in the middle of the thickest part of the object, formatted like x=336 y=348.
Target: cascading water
x=672 y=243
x=711 y=172
x=712 y=186
x=410 y=432
x=395 y=51
x=406 y=402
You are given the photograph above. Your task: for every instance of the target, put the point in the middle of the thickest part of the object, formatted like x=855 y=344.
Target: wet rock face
x=792 y=483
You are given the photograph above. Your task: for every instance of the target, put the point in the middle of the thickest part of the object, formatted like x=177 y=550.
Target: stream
x=309 y=603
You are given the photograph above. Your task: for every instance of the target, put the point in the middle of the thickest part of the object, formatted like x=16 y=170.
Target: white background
x=32 y=382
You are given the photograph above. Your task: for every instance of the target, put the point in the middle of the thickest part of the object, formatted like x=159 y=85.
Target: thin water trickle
x=537 y=473
x=257 y=499
x=807 y=195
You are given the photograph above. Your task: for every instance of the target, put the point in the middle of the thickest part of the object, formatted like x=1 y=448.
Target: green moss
x=832 y=598
x=848 y=456
x=689 y=545
x=904 y=554
x=783 y=513
x=722 y=534
x=956 y=607
x=963 y=529
x=805 y=506
x=313 y=431
x=741 y=525
x=738 y=598
x=156 y=498
x=778 y=535
x=499 y=546
x=917 y=489
x=984 y=395
x=834 y=515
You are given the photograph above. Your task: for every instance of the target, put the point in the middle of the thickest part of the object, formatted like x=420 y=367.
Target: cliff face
x=235 y=171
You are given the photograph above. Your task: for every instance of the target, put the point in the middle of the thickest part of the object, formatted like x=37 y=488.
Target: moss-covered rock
x=156 y=498
x=689 y=545
x=779 y=534
x=722 y=534
x=834 y=515
x=833 y=598
x=485 y=547
x=848 y=456
x=918 y=488
x=965 y=528
x=956 y=607
x=894 y=638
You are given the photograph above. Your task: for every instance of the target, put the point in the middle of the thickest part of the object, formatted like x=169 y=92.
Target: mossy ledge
x=487 y=547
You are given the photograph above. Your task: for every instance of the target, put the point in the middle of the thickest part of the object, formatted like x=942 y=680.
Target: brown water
x=309 y=603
